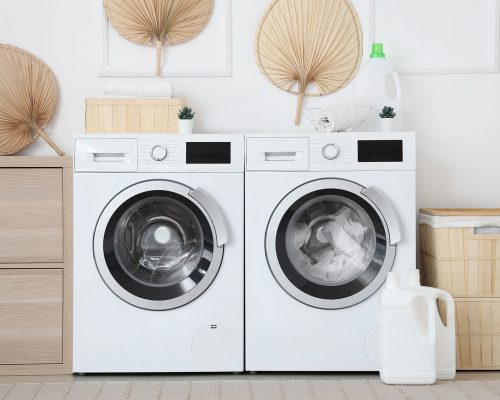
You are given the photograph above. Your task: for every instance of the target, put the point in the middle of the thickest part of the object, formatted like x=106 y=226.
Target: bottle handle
x=397 y=85
x=450 y=308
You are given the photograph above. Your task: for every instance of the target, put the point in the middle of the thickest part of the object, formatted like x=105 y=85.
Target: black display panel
x=380 y=150
x=208 y=152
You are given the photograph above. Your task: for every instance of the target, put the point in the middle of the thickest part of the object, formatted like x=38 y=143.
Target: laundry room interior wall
x=455 y=115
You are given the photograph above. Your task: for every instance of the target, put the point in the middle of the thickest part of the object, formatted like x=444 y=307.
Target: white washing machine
x=327 y=216
x=158 y=253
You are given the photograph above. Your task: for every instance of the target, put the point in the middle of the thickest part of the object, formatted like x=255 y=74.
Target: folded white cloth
x=159 y=88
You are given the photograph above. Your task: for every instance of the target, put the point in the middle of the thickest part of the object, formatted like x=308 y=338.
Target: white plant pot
x=186 y=126
x=387 y=124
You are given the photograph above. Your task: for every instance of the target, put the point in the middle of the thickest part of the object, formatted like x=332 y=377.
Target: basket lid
x=461 y=212
x=459 y=217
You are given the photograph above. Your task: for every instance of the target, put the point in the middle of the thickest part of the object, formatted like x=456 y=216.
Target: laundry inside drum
x=330 y=240
x=159 y=241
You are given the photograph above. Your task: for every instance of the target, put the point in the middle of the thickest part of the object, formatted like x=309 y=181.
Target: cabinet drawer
x=31 y=312
x=31 y=215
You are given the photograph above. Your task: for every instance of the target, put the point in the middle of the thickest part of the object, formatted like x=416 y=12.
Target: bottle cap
x=377 y=50
x=414 y=278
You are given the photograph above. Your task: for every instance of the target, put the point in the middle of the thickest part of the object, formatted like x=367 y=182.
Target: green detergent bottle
x=377 y=83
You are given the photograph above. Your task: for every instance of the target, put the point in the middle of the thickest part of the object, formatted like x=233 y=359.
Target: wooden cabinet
x=32 y=218
x=35 y=265
x=31 y=309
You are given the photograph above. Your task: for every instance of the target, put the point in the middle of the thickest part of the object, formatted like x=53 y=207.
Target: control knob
x=158 y=153
x=330 y=151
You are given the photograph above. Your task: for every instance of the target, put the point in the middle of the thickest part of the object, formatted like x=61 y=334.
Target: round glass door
x=327 y=244
x=155 y=246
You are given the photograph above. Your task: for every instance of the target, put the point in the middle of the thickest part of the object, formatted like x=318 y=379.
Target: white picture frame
x=110 y=68
x=451 y=65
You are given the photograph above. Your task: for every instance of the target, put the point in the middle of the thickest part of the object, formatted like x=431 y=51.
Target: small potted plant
x=386 y=118
x=186 y=116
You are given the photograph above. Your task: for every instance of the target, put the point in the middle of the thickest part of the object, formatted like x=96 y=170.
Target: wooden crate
x=467 y=265
x=462 y=278
x=458 y=243
x=460 y=262
x=117 y=115
x=478 y=333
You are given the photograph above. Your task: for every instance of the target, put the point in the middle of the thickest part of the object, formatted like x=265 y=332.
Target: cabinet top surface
x=35 y=162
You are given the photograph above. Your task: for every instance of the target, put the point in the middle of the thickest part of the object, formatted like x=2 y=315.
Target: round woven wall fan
x=158 y=22
x=28 y=97
x=304 y=42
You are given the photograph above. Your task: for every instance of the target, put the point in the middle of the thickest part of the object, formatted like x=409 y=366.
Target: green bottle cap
x=377 y=50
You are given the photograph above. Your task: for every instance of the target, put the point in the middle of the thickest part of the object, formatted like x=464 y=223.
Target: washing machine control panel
x=151 y=152
x=196 y=153
x=158 y=153
x=329 y=152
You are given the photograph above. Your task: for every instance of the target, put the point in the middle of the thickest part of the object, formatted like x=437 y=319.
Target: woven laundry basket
x=460 y=253
x=118 y=115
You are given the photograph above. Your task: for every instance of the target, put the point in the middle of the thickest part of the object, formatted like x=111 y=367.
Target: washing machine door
x=159 y=244
x=331 y=242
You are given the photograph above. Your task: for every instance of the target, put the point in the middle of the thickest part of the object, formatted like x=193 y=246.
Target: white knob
x=158 y=153
x=330 y=151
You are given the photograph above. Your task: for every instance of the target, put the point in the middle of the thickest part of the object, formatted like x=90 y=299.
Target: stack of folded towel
x=159 y=88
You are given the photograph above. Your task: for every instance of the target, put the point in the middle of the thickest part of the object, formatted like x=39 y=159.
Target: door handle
x=215 y=214
x=280 y=155
x=109 y=157
x=387 y=211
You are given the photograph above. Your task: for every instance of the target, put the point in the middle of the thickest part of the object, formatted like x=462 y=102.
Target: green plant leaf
x=185 y=113
x=387 y=112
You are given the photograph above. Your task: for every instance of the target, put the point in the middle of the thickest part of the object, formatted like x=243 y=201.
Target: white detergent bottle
x=445 y=334
x=407 y=336
x=377 y=84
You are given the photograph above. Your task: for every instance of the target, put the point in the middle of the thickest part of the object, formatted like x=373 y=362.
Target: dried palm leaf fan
x=158 y=22
x=28 y=97
x=303 y=42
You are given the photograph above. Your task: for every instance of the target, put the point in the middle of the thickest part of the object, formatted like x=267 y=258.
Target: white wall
x=456 y=117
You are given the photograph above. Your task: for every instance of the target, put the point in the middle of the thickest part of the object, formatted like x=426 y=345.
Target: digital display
x=208 y=152
x=380 y=150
